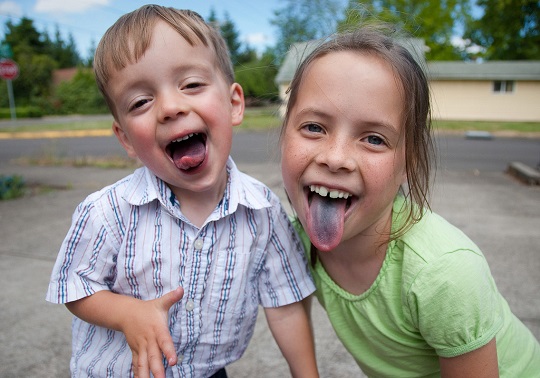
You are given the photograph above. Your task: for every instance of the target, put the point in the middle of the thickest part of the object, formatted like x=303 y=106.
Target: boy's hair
x=377 y=40
x=126 y=41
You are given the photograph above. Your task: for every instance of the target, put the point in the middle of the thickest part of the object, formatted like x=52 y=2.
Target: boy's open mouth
x=188 y=152
x=326 y=216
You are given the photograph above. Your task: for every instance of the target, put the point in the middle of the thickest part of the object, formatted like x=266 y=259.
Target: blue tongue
x=325 y=222
x=189 y=153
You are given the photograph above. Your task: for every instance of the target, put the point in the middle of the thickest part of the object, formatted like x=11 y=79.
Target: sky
x=87 y=20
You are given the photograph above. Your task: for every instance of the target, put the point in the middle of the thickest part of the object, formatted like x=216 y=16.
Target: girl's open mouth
x=326 y=215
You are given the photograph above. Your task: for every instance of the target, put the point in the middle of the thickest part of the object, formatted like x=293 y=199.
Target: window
x=502 y=86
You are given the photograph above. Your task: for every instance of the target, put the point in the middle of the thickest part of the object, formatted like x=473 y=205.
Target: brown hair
x=129 y=37
x=380 y=40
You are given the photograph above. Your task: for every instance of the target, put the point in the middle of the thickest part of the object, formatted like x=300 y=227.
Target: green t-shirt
x=434 y=296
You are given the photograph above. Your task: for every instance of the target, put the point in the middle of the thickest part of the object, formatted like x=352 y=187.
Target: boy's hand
x=147 y=333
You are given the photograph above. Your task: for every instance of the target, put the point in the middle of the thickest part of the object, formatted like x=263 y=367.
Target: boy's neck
x=197 y=206
x=198 y=211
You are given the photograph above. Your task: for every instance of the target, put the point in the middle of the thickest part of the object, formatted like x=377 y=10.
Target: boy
x=165 y=269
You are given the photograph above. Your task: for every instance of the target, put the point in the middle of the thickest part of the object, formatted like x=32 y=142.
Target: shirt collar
x=144 y=187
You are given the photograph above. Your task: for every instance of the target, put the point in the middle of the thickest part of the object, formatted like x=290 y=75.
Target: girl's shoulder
x=433 y=236
x=435 y=247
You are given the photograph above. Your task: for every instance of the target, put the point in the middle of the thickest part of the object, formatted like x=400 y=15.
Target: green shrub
x=11 y=187
x=22 y=112
x=80 y=95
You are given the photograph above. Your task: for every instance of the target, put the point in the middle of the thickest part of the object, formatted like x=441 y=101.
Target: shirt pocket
x=234 y=285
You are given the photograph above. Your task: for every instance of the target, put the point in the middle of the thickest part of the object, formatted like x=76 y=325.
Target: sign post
x=9 y=71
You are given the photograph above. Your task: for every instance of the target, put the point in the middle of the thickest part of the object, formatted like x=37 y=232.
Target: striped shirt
x=131 y=238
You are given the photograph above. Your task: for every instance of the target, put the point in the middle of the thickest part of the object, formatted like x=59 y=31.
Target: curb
x=524 y=173
x=56 y=134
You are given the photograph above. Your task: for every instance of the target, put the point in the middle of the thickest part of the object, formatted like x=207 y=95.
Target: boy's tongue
x=189 y=153
x=325 y=222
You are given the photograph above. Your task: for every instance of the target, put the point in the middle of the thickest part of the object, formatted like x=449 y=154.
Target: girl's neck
x=355 y=263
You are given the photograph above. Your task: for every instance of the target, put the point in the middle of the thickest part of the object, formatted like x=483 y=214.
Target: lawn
x=261 y=118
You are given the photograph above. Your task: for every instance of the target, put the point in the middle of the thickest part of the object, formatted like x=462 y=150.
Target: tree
x=37 y=56
x=35 y=66
x=304 y=20
x=507 y=30
x=24 y=34
x=231 y=37
x=64 y=53
x=257 y=79
x=434 y=21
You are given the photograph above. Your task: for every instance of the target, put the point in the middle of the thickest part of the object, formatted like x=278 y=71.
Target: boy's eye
x=192 y=85
x=139 y=103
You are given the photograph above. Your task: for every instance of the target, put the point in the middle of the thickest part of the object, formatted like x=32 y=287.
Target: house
x=63 y=74
x=487 y=91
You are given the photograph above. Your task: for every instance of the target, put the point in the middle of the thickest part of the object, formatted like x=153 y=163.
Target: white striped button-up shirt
x=131 y=238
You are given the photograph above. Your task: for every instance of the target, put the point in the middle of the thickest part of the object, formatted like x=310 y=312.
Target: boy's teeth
x=184 y=137
x=323 y=191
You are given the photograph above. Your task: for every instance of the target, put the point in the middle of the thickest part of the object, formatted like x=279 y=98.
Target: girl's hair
x=380 y=40
x=126 y=41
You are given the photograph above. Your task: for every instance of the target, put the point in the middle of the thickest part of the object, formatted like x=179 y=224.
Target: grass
x=490 y=126
x=263 y=118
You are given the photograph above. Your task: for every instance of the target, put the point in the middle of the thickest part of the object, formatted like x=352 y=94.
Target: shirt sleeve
x=86 y=260
x=454 y=303
x=286 y=278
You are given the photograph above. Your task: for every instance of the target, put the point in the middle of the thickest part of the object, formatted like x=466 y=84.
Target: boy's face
x=175 y=113
x=344 y=139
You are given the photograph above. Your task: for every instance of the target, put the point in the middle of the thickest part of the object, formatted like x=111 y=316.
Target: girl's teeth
x=323 y=191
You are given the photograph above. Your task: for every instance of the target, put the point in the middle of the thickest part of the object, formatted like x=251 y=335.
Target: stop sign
x=8 y=69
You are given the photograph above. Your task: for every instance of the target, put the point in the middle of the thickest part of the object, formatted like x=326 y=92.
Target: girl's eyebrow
x=312 y=111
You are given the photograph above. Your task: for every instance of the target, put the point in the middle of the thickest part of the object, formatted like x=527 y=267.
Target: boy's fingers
x=155 y=360
x=171 y=298
x=167 y=348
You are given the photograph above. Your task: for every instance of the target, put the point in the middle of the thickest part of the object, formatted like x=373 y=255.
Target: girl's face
x=343 y=150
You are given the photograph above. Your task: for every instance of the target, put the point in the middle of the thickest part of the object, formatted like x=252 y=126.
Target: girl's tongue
x=325 y=221
x=189 y=153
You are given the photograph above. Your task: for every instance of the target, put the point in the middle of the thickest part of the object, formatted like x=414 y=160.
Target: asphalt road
x=455 y=152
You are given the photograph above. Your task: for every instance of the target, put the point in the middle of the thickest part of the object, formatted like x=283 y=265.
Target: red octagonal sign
x=8 y=69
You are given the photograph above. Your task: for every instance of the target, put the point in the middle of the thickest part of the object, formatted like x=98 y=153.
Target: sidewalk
x=499 y=213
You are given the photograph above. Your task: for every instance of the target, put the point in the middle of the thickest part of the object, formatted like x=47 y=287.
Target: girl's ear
x=123 y=139
x=237 y=104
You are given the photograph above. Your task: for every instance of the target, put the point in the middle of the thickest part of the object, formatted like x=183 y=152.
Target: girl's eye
x=313 y=128
x=375 y=140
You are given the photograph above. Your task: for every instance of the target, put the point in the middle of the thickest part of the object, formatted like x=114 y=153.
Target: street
x=455 y=152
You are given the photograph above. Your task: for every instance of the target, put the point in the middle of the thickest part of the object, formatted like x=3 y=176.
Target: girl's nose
x=337 y=155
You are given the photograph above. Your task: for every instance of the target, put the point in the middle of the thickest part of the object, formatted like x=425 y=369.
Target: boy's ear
x=237 y=104
x=123 y=139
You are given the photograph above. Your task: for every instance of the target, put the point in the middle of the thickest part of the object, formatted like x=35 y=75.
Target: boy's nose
x=337 y=155
x=171 y=107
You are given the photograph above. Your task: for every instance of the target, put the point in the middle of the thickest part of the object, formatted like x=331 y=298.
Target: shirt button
x=198 y=244
x=190 y=305
x=180 y=358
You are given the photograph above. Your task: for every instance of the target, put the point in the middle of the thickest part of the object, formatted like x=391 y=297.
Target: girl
x=407 y=293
